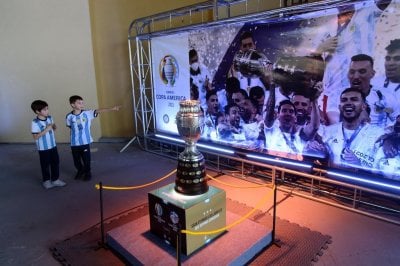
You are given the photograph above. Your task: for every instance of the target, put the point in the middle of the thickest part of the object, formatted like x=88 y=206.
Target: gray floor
x=32 y=218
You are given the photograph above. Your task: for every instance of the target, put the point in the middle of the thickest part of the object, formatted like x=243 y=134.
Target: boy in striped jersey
x=42 y=129
x=79 y=121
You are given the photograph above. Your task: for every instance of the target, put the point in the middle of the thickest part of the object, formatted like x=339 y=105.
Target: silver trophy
x=191 y=174
x=169 y=70
x=299 y=74
x=250 y=63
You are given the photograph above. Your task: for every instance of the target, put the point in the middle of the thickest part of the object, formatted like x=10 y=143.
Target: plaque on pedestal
x=171 y=211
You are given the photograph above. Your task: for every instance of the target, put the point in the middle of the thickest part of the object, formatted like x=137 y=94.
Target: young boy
x=43 y=133
x=79 y=121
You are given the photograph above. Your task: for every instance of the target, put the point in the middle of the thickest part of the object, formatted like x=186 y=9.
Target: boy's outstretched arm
x=103 y=110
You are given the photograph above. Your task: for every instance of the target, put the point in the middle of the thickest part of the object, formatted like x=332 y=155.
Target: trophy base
x=170 y=212
x=191 y=176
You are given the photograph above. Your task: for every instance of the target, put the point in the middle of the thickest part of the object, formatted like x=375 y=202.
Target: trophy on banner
x=298 y=74
x=250 y=63
x=169 y=70
x=190 y=175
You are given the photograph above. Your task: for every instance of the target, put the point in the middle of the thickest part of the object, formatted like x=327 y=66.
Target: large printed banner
x=321 y=87
x=171 y=78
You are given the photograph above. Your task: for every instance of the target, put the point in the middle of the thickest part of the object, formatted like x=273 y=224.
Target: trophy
x=169 y=70
x=250 y=63
x=298 y=74
x=190 y=174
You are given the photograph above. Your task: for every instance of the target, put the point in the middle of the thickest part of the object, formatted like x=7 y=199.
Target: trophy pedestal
x=170 y=211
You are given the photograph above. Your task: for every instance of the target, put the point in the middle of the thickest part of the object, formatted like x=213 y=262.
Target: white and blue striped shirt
x=80 y=127
x=48 y=140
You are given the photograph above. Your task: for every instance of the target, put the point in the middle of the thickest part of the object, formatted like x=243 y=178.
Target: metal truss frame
x=317 y=183
x=178 y=20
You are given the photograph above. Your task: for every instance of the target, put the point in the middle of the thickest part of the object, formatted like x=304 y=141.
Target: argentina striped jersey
x=47 y=141
x=80 y=127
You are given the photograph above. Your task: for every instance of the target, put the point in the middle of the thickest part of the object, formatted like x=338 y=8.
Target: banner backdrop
x=170 y=78
x=322 y=86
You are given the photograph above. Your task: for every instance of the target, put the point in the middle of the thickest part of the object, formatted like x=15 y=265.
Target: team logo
x=166 y=119
x=158 y=209
x=169 y=70
x=174 y=217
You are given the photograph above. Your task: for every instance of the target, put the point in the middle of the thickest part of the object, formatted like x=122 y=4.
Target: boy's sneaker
x=47 y=184
x=58 y=183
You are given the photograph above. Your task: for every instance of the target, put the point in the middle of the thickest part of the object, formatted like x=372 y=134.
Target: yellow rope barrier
x=227 y=184
x=262 y=201
x=259 y=204
x=97 y=186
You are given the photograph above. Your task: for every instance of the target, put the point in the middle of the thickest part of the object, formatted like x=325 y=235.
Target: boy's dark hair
x=74 y=98
x=38 y=105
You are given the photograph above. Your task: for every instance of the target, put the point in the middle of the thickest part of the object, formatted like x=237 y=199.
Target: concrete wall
x=110 y=20
x=52 y=49
x=45 y=53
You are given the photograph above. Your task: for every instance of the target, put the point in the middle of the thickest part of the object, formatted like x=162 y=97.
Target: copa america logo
x=250 y=63
x=169 y=70
x=166 y=119
x=158 y=209
x=174 y=217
